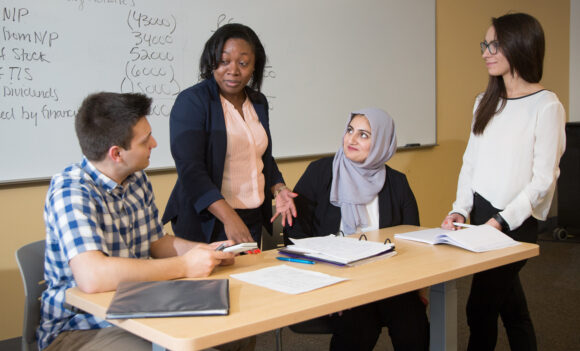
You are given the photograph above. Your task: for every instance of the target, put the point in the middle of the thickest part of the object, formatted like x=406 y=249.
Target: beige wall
x=432 y=172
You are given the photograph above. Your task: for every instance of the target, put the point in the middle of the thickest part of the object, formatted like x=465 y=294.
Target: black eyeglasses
x=491 y=46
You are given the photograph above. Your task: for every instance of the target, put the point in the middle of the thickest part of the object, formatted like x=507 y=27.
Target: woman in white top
x=509 y=171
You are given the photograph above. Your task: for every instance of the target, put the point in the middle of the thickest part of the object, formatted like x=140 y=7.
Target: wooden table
x=255 y=310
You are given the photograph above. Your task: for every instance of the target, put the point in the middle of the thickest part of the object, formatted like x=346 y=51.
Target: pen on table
x=464 y=225
x=221 y=247
x=295 y=260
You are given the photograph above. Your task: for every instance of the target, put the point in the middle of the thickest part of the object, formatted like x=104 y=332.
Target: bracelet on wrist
x=504 y=225
x=279 y=190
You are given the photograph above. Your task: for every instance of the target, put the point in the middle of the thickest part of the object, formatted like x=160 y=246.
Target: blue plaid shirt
x=86 y=210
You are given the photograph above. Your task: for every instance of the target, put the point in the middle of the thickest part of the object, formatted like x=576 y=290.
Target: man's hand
x=202 y=259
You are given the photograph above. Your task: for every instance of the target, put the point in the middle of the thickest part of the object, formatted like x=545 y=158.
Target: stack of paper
x=336 y=249
x=477 y=238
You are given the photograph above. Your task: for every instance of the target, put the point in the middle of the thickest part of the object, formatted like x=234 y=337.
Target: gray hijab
x=354 y=184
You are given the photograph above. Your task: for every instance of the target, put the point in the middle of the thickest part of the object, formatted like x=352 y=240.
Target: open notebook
x=477 y=238
x=173 y=298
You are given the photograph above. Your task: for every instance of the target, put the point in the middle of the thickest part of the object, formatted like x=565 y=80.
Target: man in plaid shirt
x=102 y=225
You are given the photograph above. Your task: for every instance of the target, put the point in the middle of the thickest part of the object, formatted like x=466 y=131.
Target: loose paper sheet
x=288 y=279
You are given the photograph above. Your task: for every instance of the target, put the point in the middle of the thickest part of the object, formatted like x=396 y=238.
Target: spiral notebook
x=174 y=298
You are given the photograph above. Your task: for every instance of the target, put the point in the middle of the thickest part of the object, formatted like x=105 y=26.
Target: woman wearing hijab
x=355 y=191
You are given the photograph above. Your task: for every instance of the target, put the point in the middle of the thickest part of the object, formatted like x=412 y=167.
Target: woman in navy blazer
x=355 y=191
x=233 y=57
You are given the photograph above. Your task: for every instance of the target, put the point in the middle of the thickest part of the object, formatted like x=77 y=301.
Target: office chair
x=276 y=240
x=320 y=325
x=30 y=260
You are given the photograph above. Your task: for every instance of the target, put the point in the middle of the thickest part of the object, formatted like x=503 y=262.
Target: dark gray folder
x=174 y=298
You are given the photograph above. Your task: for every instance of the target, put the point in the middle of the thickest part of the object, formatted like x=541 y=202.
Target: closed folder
x=174 y=298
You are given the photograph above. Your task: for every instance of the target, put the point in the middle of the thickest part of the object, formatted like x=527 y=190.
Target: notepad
x=174 y=298
x=477 y=239
x=336 y=249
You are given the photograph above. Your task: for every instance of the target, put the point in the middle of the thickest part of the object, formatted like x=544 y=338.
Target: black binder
x=174 y=298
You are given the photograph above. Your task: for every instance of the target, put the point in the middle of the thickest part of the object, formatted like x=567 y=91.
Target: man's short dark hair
x=107 y=119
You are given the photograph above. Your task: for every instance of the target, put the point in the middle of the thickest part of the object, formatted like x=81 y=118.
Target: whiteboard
x=325 y=59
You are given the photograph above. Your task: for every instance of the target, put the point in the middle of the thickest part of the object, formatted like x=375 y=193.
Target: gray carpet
x=552 y=285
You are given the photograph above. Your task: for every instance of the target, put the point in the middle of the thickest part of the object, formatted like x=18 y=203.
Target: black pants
x=190 y=228
x=498 y=292
x=405 y=316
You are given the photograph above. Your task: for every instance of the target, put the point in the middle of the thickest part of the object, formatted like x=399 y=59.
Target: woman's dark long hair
x=212 y=51
x=521 y=41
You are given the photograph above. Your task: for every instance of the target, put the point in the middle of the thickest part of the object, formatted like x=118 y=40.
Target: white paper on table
x=287 y=279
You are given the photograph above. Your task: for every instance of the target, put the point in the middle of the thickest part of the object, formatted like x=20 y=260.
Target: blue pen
x=295 y=260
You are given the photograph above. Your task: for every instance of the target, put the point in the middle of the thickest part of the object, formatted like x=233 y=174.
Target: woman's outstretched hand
x=285 y=206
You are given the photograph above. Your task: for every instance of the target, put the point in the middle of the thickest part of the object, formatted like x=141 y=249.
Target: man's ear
x=114 y=153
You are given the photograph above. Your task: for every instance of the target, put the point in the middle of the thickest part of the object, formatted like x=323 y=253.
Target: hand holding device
x=241 y=247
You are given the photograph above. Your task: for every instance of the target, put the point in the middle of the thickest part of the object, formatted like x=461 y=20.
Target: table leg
x=443 y=316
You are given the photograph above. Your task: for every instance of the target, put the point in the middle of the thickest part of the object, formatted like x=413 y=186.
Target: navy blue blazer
x=317 y=216
x=198 y=145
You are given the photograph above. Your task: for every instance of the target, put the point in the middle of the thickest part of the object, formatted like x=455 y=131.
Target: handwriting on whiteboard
x=149 y=67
